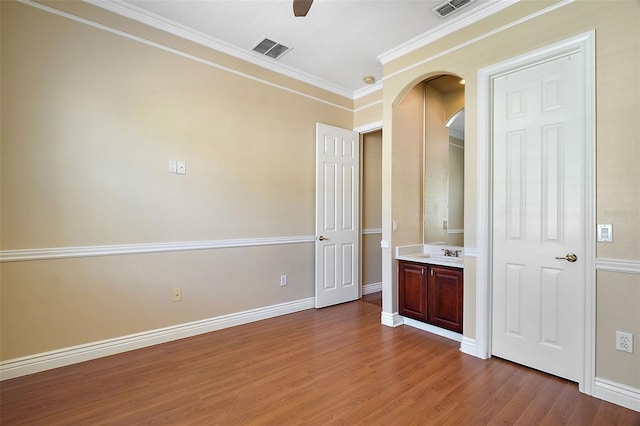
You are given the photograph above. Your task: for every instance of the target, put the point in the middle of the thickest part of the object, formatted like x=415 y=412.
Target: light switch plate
x=182 y=167
x=605 y=233
x=173 y=168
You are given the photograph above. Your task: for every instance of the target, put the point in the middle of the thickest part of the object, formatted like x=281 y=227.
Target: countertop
x=430 y=254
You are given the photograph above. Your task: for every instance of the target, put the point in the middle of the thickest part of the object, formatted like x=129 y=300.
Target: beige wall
x=371 y=207
x=618 y=308
x=368 y=109
x=407 y=167
x=90 y=120
x=618 y=147
x=402 y=171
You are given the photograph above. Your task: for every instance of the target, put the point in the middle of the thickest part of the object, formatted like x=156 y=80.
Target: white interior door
x=337 y=215
x=539 y=214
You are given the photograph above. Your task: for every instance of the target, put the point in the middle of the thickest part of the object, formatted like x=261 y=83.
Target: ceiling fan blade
x=301 y=7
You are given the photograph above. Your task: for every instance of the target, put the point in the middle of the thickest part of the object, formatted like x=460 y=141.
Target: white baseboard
x=617 y=393
x=432 y=329
x=371 y=288
x=468 y=346
x=58 y=358
x=391 y=320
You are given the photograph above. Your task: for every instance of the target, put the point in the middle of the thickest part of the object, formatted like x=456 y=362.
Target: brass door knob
x=569 y=257
x=321 y=238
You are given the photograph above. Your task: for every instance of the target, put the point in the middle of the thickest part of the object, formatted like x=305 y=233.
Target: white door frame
x=586 y=44
x=362 y=130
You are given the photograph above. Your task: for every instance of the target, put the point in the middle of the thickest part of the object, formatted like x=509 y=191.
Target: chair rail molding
x=120 y=249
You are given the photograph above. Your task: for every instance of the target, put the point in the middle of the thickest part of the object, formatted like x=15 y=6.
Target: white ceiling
x=333 y=47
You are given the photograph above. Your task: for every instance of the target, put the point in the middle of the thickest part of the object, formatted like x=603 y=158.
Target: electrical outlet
x=177 y=294
x=283 y=280
x=624 y=341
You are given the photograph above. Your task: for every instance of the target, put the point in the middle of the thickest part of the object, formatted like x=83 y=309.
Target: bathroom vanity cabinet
x=412 y=292
x=431 y=293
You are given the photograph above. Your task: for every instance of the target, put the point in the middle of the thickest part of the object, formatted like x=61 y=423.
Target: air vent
x=270 y=48
x=447 y=8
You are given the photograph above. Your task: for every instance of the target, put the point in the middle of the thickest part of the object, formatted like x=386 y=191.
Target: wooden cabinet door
x=412 y=290
x=444 y=295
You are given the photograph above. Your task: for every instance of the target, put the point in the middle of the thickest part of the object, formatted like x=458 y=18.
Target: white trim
x=466 y=19
x=432 y=329
x=360 y=93
x=468 y=346
x=483 y=251
x=372 y=231
x=184 y=54
x=371 y=288
x=477 y=39
x=470 y=252
x=58 y=358
x=585 y=43
x=369 y=127
x=618 y=265
x=617 y=393
x=171 y=27
x=112 y=250
x=391 y=320
x=455 y=231
x=369 y=105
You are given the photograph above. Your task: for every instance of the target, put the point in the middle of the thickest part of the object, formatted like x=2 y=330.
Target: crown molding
x=121 y=33
x=360 y=93
x=483 y=36
x=171 y=27
x=464 y=20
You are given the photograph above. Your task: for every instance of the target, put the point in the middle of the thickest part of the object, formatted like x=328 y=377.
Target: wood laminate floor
x=336 y=365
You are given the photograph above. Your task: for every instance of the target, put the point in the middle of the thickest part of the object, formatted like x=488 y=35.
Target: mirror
x=443 y=212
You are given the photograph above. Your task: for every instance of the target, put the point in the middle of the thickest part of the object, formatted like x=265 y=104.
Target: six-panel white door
x=538 y=215
x=337 y=215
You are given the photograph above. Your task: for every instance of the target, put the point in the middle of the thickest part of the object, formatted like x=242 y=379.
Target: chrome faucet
x=451 y=253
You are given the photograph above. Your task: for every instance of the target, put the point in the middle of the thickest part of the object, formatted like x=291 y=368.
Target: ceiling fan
x=301 y=7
